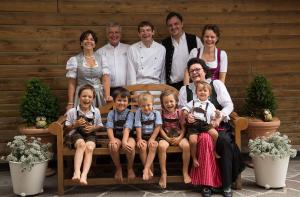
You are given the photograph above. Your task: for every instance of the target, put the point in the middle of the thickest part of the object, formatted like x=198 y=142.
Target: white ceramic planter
x=270 y=173
x=28 y=182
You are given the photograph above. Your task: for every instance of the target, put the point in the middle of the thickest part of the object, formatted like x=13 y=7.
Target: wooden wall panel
x=37 y=37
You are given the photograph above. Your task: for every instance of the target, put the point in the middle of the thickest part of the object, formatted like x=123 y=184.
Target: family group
x=196 y=120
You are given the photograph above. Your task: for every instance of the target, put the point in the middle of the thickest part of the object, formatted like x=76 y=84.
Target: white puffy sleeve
x=193 y=53
x=71 y=68
x=224 y=62
x=223 y=98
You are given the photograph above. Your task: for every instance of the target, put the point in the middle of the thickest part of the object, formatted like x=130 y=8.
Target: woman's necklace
x=89 y=57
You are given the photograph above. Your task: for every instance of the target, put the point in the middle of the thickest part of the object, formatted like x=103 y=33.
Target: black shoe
x=227 y=193
x=206 y=192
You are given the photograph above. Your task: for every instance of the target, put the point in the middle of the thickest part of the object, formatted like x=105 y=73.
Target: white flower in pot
x=270 y=156
x=28 y=160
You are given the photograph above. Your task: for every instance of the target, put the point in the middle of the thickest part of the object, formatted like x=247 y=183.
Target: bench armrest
x=239 y=124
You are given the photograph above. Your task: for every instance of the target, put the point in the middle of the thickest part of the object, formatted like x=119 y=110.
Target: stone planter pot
x=269 y=172
x=257 y=127
x=28 y=182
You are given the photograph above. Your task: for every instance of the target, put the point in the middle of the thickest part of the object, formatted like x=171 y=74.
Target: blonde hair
x=202 y=85
x=145 y=96
x=168 y=93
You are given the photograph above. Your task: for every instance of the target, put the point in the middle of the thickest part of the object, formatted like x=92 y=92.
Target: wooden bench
x=57 y=128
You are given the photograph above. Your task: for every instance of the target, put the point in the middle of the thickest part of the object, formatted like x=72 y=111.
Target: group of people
x=196 y=120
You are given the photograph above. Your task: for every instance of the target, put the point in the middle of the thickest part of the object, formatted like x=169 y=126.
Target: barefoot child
x=147 y=122
x=119 y=124
x=83 y=121
x=201 y=114
x=172 y=132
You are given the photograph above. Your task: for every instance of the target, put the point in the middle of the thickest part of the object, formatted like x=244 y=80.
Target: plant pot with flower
x=270 y=156
x=28 y=160
x=39 y=107
x=260 y=106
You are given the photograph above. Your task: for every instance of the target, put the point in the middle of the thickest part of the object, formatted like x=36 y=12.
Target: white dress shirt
x=223 y=97
x=213 y=64
x=180 y=58
x=146 y=65
x=117 y=62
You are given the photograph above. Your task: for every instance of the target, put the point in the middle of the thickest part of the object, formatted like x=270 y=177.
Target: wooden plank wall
x=260 y=36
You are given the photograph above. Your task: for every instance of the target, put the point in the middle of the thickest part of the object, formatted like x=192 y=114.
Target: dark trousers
x=230 y=163
x=177 y=85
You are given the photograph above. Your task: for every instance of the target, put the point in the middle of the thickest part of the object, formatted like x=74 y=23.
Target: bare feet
x=83 y=180
x=150 y=173
x=76 y=177
x=186 y=178
x=151 y=170
x=195 y=163
x=147 y=174
x=163 y=181
x=119 y=175
x=130 y=174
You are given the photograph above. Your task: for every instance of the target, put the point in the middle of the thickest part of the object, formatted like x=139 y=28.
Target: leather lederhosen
x=199 y=126
x=148 y=122
x=119 y=125
x=172 y=132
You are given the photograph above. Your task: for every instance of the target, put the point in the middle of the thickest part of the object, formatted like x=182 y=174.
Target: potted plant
x=38 y=108
x=260 y=106
x=28 y=161
x=270 y=156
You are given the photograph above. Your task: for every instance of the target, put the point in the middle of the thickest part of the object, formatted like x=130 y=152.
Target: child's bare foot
x=186 y=178
x=130 y=174
x=151 y=170
x=163 y=181
x=195 y=163
x=119 y=175
x=146 y=174
x=83 y=180
x=150 y=173
x=76 y=177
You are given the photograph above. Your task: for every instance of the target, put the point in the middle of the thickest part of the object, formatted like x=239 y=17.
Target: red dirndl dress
x=208 y=172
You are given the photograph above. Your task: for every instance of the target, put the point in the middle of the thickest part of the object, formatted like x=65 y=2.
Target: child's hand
x=141 y=143
x=89 y=128
x=175 y=141
x=191 y=118
x=113 y=144
x=126 y=147
x=79 y=123
x=151 y=143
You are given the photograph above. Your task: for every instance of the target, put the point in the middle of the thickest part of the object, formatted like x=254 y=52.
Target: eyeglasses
x=195 y=70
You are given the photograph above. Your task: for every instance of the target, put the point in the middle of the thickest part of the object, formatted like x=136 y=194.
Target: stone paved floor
x=292 y=188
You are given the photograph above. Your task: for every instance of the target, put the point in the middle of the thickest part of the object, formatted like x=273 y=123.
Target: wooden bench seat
x=57 y=128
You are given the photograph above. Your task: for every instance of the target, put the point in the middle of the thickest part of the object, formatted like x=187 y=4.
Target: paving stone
x=250 y=189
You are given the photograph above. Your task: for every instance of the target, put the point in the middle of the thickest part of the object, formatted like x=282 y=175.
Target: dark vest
x=191 y=42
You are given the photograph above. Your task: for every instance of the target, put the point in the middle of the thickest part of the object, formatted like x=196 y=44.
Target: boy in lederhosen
x=82 y=122
x=148 y=123
x=200 y=113
x=119 y=125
